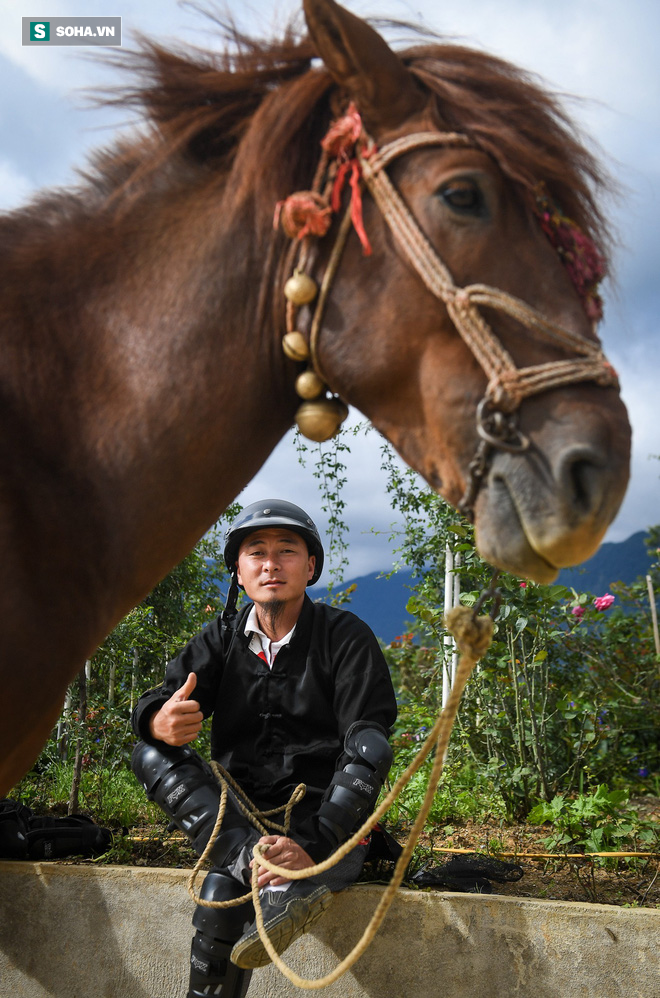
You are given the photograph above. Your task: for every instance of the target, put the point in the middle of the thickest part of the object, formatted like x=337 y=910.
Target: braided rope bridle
x=508 y=385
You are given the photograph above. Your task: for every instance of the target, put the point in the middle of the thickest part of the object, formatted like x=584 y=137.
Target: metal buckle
x=500 y=429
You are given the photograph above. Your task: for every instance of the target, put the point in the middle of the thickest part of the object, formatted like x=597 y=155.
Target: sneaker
x=287 y=915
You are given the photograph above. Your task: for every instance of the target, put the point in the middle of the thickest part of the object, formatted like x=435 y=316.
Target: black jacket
x=275 y=728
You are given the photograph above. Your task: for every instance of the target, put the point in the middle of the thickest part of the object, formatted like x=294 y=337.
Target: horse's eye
x=462 y=196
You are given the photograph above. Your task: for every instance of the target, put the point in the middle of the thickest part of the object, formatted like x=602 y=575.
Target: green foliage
x=564 y=705
x=137 y=650
x=330 y=472
x=109 y=792
x=463 y=792
x=596 y=822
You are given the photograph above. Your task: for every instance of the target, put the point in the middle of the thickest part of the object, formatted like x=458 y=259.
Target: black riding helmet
x=273 y=513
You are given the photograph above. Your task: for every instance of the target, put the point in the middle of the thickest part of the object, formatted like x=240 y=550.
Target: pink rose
x=578 y=611
x=603 y=602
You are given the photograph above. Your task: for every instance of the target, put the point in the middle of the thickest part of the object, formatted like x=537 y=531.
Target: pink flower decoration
x=578 y=252
x=603 y=602
x=578 y=611
x=523 y=585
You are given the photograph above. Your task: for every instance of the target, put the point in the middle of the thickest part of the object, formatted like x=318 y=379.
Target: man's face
x=274 y=564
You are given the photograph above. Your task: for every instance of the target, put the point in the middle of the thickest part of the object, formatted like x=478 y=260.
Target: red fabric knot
x=308 y=212
x=343 y=133
x=304 y=213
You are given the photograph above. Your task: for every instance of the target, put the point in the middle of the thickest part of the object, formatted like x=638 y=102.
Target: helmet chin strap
x=229 y=611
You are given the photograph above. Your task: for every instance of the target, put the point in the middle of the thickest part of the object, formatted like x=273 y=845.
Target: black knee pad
x=227 y=924
x=211 y=970
x=184 y=786
x=354 y=790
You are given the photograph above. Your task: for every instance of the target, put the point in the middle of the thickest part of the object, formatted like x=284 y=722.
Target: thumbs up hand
x=179 y=720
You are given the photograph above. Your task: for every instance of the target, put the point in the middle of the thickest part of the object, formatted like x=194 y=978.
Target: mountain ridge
x=381 y=602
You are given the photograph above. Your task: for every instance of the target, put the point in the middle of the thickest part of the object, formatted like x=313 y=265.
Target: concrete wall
x=124 y=932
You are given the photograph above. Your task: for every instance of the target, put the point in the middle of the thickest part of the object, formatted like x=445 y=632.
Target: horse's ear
x=363 y=63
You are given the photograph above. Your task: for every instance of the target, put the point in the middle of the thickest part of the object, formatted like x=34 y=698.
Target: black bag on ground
x=470 y=874
x=383 y=846
x=25 y=835
x=14 y=819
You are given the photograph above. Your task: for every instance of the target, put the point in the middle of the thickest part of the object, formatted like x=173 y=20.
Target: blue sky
x=602 y=50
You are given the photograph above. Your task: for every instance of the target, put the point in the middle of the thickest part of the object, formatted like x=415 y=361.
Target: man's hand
x=179 y=720
x=284 y=852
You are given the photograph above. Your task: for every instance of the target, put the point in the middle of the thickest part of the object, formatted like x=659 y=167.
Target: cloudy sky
x=604 y=51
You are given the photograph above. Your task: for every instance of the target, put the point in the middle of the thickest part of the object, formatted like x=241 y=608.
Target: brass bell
x=300 y=289
x=320 y=420
x=309 y=385
x=295 y=346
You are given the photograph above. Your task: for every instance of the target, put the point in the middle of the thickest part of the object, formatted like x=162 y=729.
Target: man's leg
x=211 y=970
x=290 y=913
x=348 y=800
x=183 y=785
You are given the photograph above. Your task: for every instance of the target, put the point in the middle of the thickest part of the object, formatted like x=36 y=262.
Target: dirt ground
x=623 y=882
x=632 y=882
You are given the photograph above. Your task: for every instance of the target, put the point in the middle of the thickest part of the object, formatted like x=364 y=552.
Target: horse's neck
x=172 y=400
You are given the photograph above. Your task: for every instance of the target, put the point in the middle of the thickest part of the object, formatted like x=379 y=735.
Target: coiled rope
x=473 y=636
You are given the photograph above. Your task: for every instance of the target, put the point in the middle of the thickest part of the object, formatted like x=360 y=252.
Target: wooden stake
x=654 y=614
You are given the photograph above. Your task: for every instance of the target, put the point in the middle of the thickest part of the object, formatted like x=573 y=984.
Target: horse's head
x=417 y=335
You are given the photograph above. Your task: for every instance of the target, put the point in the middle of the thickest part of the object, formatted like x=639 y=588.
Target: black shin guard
x=182 y=784
x=211 y=970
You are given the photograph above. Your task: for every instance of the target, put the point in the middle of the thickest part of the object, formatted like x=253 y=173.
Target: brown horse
x=142 y=379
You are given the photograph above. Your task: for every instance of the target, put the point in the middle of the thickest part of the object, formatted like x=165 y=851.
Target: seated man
x=299 y=693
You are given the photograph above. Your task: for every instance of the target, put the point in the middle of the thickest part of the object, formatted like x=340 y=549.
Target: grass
x=112 y=795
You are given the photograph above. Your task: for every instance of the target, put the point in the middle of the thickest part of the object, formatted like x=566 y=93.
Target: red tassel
x=356 y=208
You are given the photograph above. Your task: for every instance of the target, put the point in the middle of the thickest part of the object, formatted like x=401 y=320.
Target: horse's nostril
x=582 y=477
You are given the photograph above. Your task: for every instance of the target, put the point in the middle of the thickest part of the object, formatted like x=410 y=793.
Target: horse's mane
x=262 y=107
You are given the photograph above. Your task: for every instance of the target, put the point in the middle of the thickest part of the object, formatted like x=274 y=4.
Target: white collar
x=261 y=641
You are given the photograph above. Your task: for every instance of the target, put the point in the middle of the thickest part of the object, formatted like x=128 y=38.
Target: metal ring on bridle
x=500 y=429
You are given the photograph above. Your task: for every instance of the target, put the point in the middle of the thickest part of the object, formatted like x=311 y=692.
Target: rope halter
x=348 y=152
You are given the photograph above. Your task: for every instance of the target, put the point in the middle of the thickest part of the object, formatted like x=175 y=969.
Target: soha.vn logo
x=40 y=31
x=83 y=30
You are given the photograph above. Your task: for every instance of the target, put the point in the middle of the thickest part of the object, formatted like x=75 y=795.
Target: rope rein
x=508 y=385
x=260 y=819
x=473 y=636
